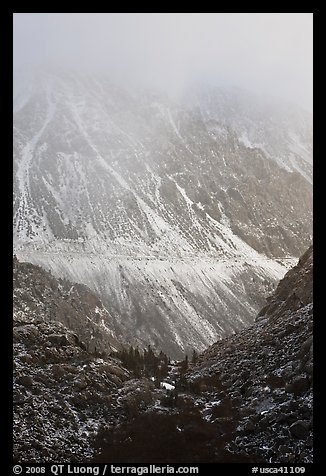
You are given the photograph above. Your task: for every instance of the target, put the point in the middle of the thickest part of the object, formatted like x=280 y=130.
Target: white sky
x=269 y=53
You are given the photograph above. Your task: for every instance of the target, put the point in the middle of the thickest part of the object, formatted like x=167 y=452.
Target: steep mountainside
x=248 y=398
x=280 y=129
x=38 y=296
x=267 y=372
x=63 y=389
x=160 y=206
x=61 y=393
x=293 y=292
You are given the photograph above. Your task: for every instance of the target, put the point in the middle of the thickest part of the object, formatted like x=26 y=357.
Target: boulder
x=59 y=340
x=26 y=381
x=300 y=429
x=299 y=385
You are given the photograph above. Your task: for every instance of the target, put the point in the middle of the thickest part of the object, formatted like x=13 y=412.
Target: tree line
x=145 y=362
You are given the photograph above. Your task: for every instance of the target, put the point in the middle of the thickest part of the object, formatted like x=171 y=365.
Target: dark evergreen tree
x=194 y=357
x=184 y=365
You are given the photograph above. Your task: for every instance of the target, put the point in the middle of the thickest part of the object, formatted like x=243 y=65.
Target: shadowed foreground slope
x=247 y=399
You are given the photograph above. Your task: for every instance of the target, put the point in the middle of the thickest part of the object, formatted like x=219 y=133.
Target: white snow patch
x=167 y=386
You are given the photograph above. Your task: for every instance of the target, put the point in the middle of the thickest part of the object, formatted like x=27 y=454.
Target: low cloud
x=268 y=53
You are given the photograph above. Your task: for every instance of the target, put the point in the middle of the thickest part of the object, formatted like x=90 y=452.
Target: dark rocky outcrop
x=61 y=393
x=266 y=372
x=294 y=291
x=247 y=399
x=65 y=385
x=39 y=296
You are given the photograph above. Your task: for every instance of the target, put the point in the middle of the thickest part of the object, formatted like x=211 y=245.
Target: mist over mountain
x=167 y=209
x=162 y=238
x=269 y=54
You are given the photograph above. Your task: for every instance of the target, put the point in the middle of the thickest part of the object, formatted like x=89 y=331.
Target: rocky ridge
x=65 y=386
x=39 y=296
x=158 y=204
x=248 y=398
x=267 y=373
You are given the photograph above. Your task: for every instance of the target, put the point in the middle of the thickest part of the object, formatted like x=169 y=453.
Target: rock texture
x=65 y=386
x=38 y=296
x=101 y=164
x=60 y=395
x=267 y=373
x=160 y=205
x=294 y=291
x=247 y=399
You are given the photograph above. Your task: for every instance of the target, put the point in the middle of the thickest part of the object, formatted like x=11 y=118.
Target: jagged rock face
x=63 y=391
x=280 y=129
x=267 y=372
x=61 y=394
x=160 y=206
x=294 y=291
x=38 y=296
x=247 y=399
x=99 y=162
x=174 y=305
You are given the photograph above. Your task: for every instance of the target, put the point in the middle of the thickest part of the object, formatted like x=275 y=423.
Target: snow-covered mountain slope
x=280 y=129
x=178 y=304
x=38 y=296
x=247 y=399
x=266 y=372
x=158 y=207
x=61 y=387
